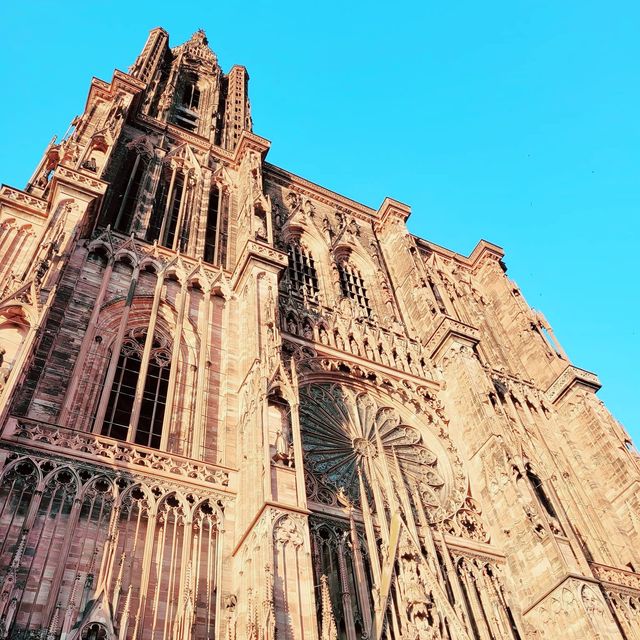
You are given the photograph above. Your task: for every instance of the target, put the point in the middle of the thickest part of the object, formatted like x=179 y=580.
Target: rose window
x=347 y=433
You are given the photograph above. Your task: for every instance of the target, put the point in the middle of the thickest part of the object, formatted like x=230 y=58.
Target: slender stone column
x=175 y=363
x=347 y=606
x=361 y=585
x=72 y=521
x=197 y=441
x=221 y=442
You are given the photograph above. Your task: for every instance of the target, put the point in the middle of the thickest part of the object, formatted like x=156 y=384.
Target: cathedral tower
x=235 y=404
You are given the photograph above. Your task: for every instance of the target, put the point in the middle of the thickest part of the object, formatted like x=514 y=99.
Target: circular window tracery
x=344 y=431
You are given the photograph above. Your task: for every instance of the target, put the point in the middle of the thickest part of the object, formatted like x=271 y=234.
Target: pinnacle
x=200 y=36
x=197 y=48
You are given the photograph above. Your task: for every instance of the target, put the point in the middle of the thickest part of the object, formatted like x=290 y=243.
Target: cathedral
x=236 y=405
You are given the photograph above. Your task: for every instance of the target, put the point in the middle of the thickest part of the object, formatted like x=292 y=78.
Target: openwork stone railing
x=617 y=576
x=117 y=453
x=24 y=199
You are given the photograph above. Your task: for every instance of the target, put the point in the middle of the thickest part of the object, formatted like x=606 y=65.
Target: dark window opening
x=162 y=230
x=541 y=494
x=186 y=112
x=191 y=96
x=223 y=215
x=123 y=194
x=130 y=199
x=116 y=422
x=352 y=286
x=302 y=273
x=212 y=225
x=174 y=211
x=154 y=397
x=438 y=298
x=159 y=205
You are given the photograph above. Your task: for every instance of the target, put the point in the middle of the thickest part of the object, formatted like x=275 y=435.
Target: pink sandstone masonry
x=237 y=405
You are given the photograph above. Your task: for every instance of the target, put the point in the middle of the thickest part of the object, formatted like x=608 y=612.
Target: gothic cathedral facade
x=237 y=405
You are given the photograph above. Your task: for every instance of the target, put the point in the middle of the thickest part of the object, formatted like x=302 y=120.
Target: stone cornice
x=22 y=200
x=261 y=253
x=139 y=249
x=618 y=578
x=80 y=180
x=202 y=144
x=483 y=251
x=121 y=81
x=292 y=181
x=330 y=354
x=448 y=331
x=250 y=142
x=390 y=210
x=474 y=549
x=568 y=378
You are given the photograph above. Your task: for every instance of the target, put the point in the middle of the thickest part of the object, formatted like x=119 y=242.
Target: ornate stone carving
x=287 y=530
x=119 y=454
x=570 y=376
x=343 y=429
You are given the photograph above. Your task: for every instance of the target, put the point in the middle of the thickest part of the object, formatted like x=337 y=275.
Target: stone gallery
x=237 y=405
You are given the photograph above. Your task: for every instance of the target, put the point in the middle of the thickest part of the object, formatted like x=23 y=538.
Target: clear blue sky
x=512 y=121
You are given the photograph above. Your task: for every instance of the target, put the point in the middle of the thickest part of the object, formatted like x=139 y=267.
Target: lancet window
x=212 y=230
x=352 y=286
x=541 y=494
x=124 y=191
x=302 y=273
x=170 y=212
x=338 y=553
x=120 y=407
x=188 y=103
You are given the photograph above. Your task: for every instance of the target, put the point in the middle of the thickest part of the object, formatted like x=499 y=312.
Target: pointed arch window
x=188 y=103
x=154 y=398
x=352 y=286
x=168 y=218
x=124 y=190
x=541 y=494
x=302 y=272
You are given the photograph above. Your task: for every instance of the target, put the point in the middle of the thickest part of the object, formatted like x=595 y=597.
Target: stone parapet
x=114 y=453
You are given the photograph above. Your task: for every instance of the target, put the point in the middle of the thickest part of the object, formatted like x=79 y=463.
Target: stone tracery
x=310 y=382
x=342 y=428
